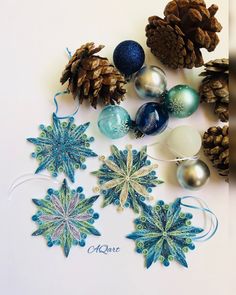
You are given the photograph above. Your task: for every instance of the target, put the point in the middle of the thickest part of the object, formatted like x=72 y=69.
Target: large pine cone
x=215 y=87
x=188 y=26
x=92 y=77
x=216 y=148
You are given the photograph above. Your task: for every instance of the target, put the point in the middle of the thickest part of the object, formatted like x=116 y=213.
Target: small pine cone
x=93 y=78
x=216 y=148
x=187 y=27
x=214 y=88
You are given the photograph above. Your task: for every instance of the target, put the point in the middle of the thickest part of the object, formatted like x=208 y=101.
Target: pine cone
x=92 y=77
x=216 y=148
x=215 y=87
x=187 y=27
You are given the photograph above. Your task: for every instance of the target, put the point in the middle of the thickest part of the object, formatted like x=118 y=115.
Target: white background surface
x=34 y=35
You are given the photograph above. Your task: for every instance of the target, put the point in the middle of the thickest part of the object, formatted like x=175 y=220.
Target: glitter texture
x=129 y=57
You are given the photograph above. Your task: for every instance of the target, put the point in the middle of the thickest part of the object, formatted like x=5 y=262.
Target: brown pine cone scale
x=216 y=148
x=187 y=27
x=93 y=78
x=214 y=88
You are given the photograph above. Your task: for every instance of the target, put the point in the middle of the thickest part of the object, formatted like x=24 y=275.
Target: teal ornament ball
x=114 y=122
x=182 y=101
x=150 y=82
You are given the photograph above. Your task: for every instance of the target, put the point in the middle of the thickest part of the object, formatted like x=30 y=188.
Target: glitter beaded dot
x=129 y=57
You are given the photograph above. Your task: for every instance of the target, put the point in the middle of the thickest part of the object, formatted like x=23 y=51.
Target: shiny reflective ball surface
x=182 y=101
x=150 y=82
x=114 y=122
x=152 y=118
x=193 y=174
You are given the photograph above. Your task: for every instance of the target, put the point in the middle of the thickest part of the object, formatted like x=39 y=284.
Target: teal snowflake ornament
x=164 y=233
x=126 y=178
x=65 y=217
x=62 y=147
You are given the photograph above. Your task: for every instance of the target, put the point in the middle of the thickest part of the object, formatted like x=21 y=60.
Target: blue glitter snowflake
x=65 y=217
x=62 y=147
x=164 y=233
x=127 y=178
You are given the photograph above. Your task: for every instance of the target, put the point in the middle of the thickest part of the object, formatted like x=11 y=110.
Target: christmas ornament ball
x=114 y=122
x=193 y=174
x=150 y=82
x=182 y=101
x=152 y=118
x=128 y=57
x=184 y=141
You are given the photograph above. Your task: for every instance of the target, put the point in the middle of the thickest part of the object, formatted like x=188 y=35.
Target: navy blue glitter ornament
x=128 y=57
x=152 y=118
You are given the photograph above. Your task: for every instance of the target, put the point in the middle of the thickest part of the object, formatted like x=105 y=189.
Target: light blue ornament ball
x=182 y=101
x=114 y=122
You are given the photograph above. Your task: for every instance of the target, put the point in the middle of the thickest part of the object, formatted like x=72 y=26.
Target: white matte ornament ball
x=150 y=82
x=184 y=141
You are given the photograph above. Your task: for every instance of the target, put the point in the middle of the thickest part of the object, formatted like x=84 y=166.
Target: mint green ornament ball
x=114 y=122
x=182 y=101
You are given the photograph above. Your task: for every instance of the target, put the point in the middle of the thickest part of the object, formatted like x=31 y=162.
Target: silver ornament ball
x=150 y=82
x=193 y=174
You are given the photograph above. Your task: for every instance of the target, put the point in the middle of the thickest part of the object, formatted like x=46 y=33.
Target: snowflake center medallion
x=62 y=147
x=164 y=234
x=66 y=217
x=126 y=178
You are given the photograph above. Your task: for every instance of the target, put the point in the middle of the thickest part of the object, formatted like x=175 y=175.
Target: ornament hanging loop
x=57 y=107
x=205 y=209
x=69 y=53
x=176 y=160
x=27 y=177
x=183 y=142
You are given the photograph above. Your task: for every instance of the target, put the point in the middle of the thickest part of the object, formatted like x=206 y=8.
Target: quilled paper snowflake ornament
x=62 y=147
x=126 y=178
x=164 y=233
x=65 y=217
